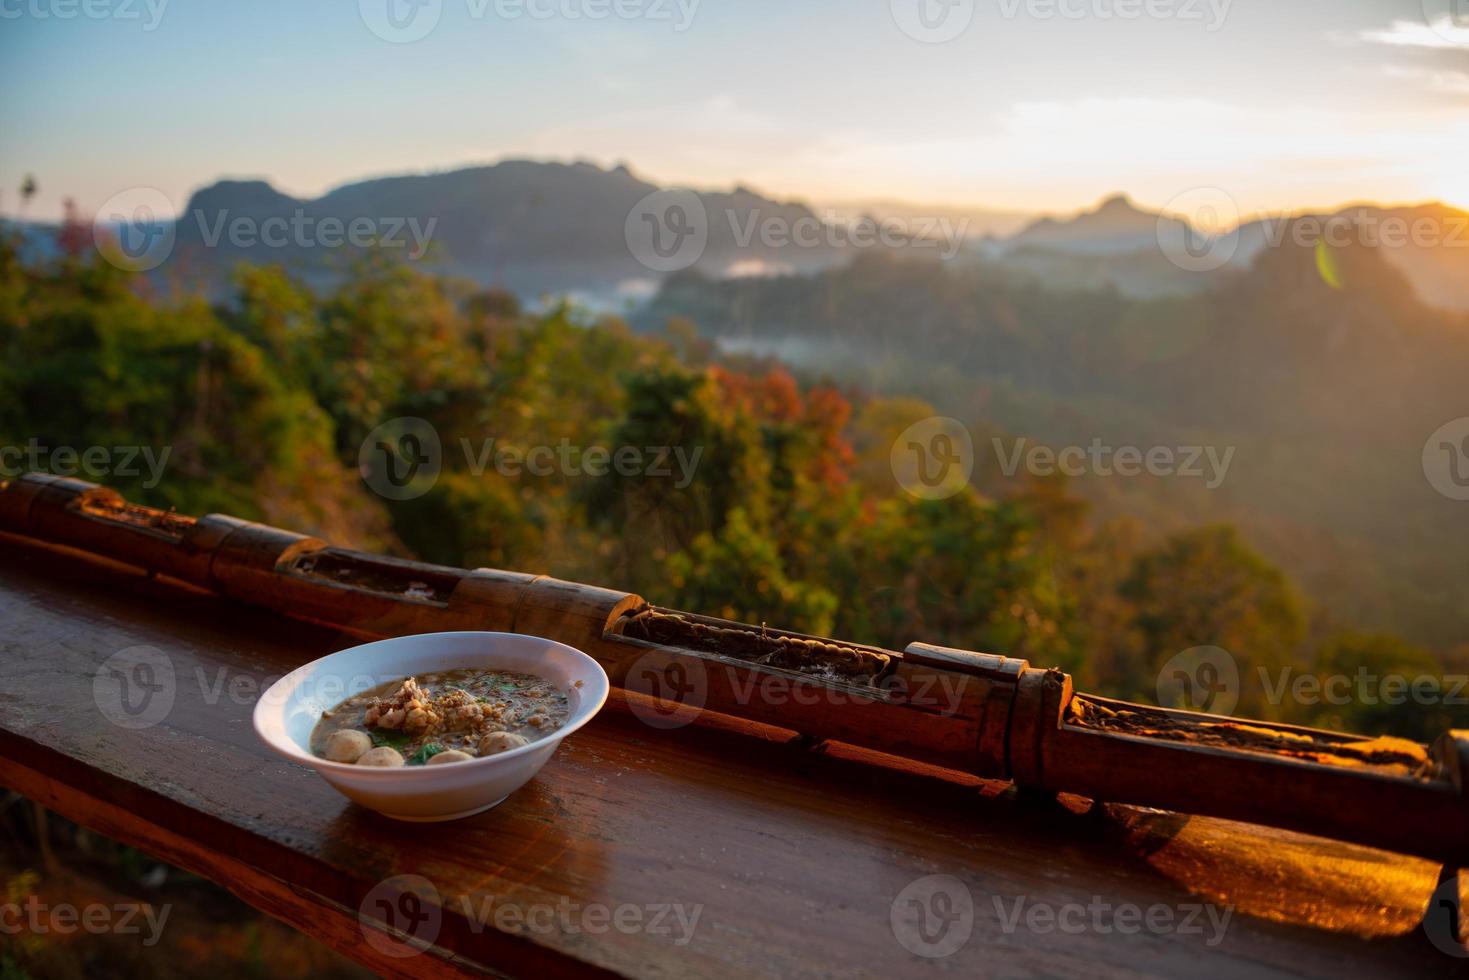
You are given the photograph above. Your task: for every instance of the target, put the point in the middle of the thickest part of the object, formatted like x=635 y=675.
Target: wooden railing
x=992 y=716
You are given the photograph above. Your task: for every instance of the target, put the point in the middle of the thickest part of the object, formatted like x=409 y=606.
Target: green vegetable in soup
x=426 y=753
x=392 y=739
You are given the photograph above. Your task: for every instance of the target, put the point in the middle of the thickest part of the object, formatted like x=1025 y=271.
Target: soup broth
x=447 y=716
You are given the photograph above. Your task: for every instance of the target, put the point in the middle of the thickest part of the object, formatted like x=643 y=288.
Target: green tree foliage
x=1379 y=684
x=972 y=571
x=737 y=573
x=1206 y=587
x=1308 y=381
x=90 y=363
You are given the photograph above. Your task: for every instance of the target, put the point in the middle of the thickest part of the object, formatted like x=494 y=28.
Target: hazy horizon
x=1001 y=215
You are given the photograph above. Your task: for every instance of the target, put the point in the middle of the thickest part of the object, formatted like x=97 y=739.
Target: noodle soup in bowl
x=436 y=726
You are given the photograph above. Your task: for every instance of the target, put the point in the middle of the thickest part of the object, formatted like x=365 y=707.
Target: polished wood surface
x=793 y=857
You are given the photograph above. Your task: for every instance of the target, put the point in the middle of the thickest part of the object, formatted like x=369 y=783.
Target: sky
x=1016 y=105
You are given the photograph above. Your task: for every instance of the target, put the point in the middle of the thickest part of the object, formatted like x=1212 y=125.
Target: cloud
x=1283 y=156
x=1441 y=33
x=1051 y=154
x=1451 y=81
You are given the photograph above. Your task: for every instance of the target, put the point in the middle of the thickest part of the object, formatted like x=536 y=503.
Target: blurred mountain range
x=1118 y=244
x=525 y=226
x=537 y=228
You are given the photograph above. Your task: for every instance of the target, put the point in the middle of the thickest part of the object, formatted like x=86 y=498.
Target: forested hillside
x=1318 y=372
x=779 y=503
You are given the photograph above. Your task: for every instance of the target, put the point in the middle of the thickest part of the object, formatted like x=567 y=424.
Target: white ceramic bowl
x=290 y=708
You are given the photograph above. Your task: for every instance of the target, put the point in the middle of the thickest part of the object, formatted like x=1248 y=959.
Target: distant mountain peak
x=239 y=195
x=1117 y=224
x=1118 y=202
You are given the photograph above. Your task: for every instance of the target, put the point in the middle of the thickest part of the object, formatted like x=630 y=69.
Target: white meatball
x=452 y=755
x=347 y=745
x=497 y=742
x=383 y=755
